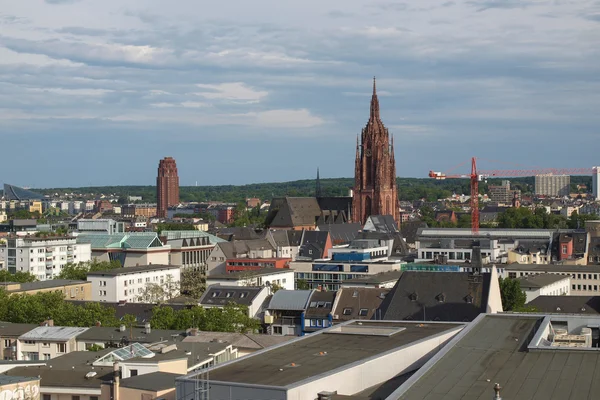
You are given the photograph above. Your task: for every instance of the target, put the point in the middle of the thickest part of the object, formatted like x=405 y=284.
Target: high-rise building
x=552 y=185
x=502 y=194
x=375 y=191
x=167 y=186
x=596 y=182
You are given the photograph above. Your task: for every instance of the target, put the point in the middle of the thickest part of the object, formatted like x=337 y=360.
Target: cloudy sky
x=96 y=92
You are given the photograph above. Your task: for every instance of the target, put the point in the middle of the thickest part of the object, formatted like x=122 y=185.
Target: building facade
x=167 y=186
x=43 y=257
x=375 y=191
x=552 y=185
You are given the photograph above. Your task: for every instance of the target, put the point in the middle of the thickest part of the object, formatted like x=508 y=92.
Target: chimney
x=122 y=328
x=147 y=326
x=476 y=259
x=116 y=375
x=48 y=322
x=497 y=390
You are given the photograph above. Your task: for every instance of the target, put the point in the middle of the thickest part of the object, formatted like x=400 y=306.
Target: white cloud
x=236 y=92
x=301 y=118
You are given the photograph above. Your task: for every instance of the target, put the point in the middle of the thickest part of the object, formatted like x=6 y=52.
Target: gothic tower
x=375 y=191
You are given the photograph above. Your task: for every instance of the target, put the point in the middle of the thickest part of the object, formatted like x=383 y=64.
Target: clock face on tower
x=368 y=152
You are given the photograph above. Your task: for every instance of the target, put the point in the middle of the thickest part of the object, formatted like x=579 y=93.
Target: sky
x=97 y=92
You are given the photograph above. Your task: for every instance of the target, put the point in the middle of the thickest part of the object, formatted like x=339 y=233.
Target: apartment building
x=73 y=290
x=128 y=284
x=47 y=342
x=43 y=257
x=552 y=185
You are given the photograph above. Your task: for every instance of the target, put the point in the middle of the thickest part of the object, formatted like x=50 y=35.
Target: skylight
x=125 y=353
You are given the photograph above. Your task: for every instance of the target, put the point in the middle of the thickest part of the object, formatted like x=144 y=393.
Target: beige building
x=19 y=387
x=73 y=290
x=155 y=385
x=47 y=342
x=9 y=334
x=36 y=207
x=585 y=279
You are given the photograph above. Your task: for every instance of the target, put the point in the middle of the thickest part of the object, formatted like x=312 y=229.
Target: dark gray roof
x=152 y=382
x=108 y=334
x=9 y=380
x=12 y=192
x=293 y=211
x=342 y=351
x=540 y=280
x=494 y=350
x=379 y=278
x=43 y=284
x=220 y=295
x=381 y=223
x=234 y=276
x=133 y=270
x=342 y=233
x=437 y=296
x=238 y=248
x=291 y=300
x=8 y=329
x=320 y=304
x=354 y=299
x=409 y=230
x=567 y=304
x=239 y=340
x=552 y=268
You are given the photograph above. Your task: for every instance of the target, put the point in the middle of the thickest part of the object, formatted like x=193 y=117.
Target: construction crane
x=475 y=176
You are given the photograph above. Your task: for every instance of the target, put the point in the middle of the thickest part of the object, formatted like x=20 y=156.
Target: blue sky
x=96 y=92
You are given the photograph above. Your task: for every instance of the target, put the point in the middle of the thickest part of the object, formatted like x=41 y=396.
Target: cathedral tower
x=375 y=191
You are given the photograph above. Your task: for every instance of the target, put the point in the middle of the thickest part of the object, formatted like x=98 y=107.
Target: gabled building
x=253 y=297
x=285 y=314
x=47 y=342
x=9 y=335
x=231 y=256
x=358 y=303
x=298 y=213
x=318 y=314
x=442 y=296
x=545 y=285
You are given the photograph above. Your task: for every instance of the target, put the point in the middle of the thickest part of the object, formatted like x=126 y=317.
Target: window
x=46 y=397
x=46 y=356
x=363 y=312
x=229 y=294
x=564 y=249
x=45 y=344
x=216 y=294
x=61 y=347
x=595 y=288
x=313 y=322
x=320 y=322
x=277 y=330
x=347 y=311
x=29 y=342
x=6 y=343
x=572 y=287
x=133 y=372
x=93 y=397
x=75 y=397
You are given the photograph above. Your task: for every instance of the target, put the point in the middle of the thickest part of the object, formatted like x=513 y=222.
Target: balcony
x=49 y=250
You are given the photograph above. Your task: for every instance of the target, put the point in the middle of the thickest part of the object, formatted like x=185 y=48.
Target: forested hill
x=408 y=188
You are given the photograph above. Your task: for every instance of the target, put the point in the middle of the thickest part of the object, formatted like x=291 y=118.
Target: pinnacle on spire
x=374 y=103
x=374 y=87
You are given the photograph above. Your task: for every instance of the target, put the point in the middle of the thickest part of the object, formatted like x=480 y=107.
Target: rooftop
x=8 y=329
x=566 y=304
x=133 y=270
x=540 y=280
x=23 y=287
x=154 y=381
x=219 y=295
x=234 y=276
x=379 y=278
x=9 y=380
x=292 y=300
x=552 y=268
x=302 y=358
x=109 y=334
x=52 y=333
x=494 y=349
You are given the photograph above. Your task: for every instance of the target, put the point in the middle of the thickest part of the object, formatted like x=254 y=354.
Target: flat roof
x=552 y=268
x=493 y=349
x=381 y=277
x=300 y=359
x=234 y=276
x=540 y=280
x=133 y=270
x=154 y=381
x=52 y=333
x=110 y=334
x=51 y=283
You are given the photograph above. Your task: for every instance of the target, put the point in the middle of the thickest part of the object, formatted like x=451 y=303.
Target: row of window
x=513 y=275
x=585 y=287
x=73 y=397
x=452 y=255
x=60 y=347
x=319 y=323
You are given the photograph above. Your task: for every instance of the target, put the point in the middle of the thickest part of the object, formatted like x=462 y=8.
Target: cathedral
x=375 y=190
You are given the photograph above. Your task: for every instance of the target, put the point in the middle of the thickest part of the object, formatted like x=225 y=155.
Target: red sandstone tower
x=375 y=191
x=167 y=186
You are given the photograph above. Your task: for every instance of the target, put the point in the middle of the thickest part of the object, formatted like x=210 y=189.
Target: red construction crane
x=476 y=176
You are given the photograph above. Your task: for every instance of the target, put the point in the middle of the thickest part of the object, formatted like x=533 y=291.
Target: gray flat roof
x=494 y=349
x=551 y=268
x=541 y=280
x=52 y=333
x=342 y=350
x=234 y=276
x=43 y=284
x=381 y=277
x=132 y=270
x=154 y=381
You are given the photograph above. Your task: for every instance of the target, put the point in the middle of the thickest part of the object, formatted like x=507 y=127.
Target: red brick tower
x=167 y=186
x=375 y=191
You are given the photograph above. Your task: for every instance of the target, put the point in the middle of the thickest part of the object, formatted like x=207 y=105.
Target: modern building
x=41 y=256
x=130 y=248
x=375 y=191
x=545 y=285
x=383 y=280
x=16 y=193
x=253 y=297
x=512 y=356
x=596 y=183
x=502 y=194
x=347 y=359
x=285 y=314
x=128 y=284
x=281 y=277
x=167 y=186
x=552 y=185
x=73 y=290
x=190 y=249
x=584 y=278
x=47 y=342
x=106 y=226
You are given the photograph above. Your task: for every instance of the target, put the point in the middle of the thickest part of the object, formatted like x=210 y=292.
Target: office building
x=43 y=257
x=130 y=249
x=503 y=194
x=167 y=186
x=552 y=185
x=108 y=226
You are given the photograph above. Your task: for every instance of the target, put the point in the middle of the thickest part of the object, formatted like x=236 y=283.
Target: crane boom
x=475 y=176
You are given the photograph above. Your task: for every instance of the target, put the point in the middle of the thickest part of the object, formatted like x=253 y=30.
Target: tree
x=21 y=277
x=193 y=283
x=302 y=284
x=275 y=287
x=513 y=298
x=163 y=318
x=157 y=293
x=578 y=221
x=79 y=271
x=129 y=321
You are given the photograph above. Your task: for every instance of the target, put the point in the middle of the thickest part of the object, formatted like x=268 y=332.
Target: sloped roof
x=540 y=280
x=381 y=223
x=437 y=296
x=567 y=304
x=342 y=233
x=12 y=192
x=221 y=295
x=239 y=248
x=174 y=235
x=128 y=240
x=52 y=333
x=354 y=299
x=15 y=330
x=291 y=300
x=293 y=211
x=409 y=230
x=320 y=304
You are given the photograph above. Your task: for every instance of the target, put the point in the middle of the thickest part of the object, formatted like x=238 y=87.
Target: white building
x=128 y=284
x=596 y=183
x=108 y=226
x=282 y=277
x=552 y=185
x=43 y=257
x=545 y=285
x=584 y=279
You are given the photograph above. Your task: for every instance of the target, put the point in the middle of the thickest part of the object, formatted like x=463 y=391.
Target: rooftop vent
x=90 y=374
x=413 y=296
x=122 y=328
x=326 y=395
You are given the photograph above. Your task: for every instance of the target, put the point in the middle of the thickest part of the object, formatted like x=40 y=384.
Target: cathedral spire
x=374 y=103
x=318 y=186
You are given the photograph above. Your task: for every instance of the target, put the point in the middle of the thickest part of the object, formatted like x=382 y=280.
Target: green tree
x=275 y=287
x=302 y=284
x=513 y=298
x=21 y=277
x=193 y=283
x=578 y=221
x=79 y=271
x=158 y=293
x=163 y=318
